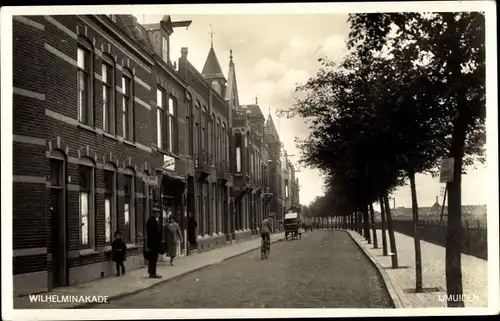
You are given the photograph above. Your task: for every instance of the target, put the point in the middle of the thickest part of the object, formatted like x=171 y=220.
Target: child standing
x=119 y=253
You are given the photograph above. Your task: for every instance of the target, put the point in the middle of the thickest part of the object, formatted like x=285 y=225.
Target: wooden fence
x=474 y=232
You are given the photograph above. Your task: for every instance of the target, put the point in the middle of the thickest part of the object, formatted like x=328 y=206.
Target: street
x=325 y=269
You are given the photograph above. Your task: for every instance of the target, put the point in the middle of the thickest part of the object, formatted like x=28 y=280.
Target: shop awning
x=174 y=175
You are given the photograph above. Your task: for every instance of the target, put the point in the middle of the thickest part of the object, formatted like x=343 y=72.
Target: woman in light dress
x=173 y=238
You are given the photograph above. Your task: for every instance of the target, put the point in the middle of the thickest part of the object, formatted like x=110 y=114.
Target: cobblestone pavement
x=474 y=273
x=325 y=269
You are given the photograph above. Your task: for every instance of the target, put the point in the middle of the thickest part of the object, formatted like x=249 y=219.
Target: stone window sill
x=127 y=142
x=87 y=127
x=88 y=252
x=130 y=246
x=110 y=136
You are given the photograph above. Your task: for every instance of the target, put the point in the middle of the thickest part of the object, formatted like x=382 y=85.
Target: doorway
x=58 y=223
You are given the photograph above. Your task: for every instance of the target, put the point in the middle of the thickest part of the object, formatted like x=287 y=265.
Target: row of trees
x=410 y=92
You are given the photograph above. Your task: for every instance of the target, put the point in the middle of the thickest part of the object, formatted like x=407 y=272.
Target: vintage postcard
x=249 y=160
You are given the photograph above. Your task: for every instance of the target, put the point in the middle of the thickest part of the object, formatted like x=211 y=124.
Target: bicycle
x=265 y=248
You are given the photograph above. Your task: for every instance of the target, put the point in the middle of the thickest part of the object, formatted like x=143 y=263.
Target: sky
x=272 y=54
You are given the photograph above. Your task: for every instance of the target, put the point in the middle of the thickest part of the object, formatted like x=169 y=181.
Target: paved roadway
x=325 y=269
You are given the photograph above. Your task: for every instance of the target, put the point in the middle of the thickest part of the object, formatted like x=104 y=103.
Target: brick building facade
x=106 y=127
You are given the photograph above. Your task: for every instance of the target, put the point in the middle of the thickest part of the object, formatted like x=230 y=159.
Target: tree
x=374 y=230
x=453 y=45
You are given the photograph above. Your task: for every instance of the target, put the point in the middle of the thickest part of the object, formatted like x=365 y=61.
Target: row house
x=275 y=169
x=99 y=140
x=209 y=122
x=106 y=128
x=83 y=148
x=258 y=167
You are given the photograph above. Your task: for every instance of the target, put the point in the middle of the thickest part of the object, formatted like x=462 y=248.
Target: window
x=197 y=132
x=108 y=110
x=214 y=211
x=160 y=117
x=127 y=107
x=203 y=126
x=164 y=46
x=172 y=125
x=224 y=143
x=84 y=62
x=251 y=164
x=238 y=159
x=197 y=137
x=218 y=146
x=85 y=197
x=109 y=204
x=129 y=208
x=190 y=121
x=56 y=173
x=211 y=134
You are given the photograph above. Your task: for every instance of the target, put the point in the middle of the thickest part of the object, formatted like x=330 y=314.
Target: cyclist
x=266 y=228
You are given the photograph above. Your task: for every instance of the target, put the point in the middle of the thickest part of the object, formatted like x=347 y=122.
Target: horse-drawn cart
x=293 y=226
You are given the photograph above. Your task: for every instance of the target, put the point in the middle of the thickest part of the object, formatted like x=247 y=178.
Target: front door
x=58 y=225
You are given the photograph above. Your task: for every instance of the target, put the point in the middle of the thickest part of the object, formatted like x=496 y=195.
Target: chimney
x=184 y=52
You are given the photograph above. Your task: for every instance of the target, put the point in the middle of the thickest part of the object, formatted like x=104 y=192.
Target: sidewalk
x=137 y=280
x=402 y=280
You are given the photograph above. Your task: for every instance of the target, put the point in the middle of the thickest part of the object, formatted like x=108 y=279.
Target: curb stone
x=396 y=299
x=167 y=279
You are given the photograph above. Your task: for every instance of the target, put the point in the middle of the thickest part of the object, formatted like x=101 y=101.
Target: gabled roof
x=212 y=68
x=271 y=129
x=135 y=30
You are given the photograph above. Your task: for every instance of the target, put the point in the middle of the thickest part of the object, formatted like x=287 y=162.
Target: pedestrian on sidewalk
x=119 y=253
x=153 y=242
x=173 y=237
x=191 y=231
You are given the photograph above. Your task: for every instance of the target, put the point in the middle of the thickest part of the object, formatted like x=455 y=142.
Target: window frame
x=197 y=129
x=109 y=84
x=161 y=119
x=204 y=125
x=190 y=122
x=128 y=130
x=165 y=52
x=129 y=174
x=110 y=195
x=172 y=125
x=90 y=191
x=85 y=111
x=225 y=140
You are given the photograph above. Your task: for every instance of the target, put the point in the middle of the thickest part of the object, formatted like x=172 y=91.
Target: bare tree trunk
x=454 y=229
x=356 y=218
x=392 y=239
x=366 y=225
x=374 y=230
x=384 y=227
x=416 y=233
x=360 y=223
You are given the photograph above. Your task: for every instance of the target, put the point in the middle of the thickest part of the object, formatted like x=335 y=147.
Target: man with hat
x=153 y=242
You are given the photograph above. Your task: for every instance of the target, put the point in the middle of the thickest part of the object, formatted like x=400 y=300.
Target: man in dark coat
x=153 y=242
x=191 y=231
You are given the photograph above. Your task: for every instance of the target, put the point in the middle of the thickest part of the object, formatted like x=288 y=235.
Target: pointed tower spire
x=211 y=33
x=256 y=100
x=212 y=69
x=231 y=55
